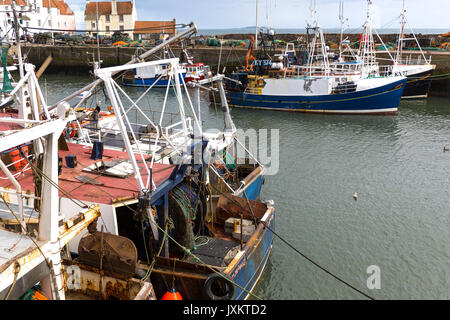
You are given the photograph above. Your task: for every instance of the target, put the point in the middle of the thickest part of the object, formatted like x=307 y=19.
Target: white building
x=105 y=17
x=37 y=15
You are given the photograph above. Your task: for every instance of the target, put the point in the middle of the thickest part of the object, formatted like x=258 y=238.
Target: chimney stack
x=113 y=7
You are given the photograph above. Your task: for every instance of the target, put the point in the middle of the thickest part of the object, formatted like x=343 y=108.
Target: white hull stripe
x=387 y=110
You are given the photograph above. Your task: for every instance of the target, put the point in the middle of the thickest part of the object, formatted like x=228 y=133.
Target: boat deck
x=12 y=245
x=215 y=252
x=92 y=186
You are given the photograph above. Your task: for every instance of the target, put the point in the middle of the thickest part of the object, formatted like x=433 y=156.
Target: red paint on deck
x=111 y=188
x=4 y=126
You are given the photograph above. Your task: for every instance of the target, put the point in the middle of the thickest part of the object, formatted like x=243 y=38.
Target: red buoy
x=172 y=294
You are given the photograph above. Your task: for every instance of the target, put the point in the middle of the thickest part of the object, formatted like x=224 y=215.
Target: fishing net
x=7 y=86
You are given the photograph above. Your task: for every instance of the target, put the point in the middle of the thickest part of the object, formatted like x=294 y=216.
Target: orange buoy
x=15 y=159
x=172 y=294
x=73 y=131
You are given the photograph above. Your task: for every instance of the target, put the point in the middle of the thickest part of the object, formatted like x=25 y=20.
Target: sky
x=219 y=14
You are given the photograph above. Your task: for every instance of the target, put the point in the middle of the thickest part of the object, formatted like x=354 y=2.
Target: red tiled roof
x=8 y=2
x=64 y=8
x=145 y=27
x=105 y=7
x=49 y=4
x=60 y=4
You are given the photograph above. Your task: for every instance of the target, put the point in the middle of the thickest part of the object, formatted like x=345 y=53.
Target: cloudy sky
x=215 y=14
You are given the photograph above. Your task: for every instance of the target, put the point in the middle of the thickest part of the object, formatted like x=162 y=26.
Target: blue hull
x=380 y=100
x=253 y=191
x=147 y=82
x=250 y=267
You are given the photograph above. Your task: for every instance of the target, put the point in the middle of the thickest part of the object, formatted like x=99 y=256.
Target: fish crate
x=247 y=232
x=233 y=227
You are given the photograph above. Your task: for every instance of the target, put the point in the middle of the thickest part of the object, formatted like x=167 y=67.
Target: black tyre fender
x=214 y=278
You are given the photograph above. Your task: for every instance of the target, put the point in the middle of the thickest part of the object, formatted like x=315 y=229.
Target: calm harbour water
x=400 y=221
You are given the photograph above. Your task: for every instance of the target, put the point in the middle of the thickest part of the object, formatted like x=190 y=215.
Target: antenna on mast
x=313 y=14
x=343 y=20
x=256 y=27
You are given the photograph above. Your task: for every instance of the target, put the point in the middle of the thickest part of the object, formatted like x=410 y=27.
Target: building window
x=108 y=19
x=121 y=18
x=121 y=28
x=50 y=23
x=93 y=25
x=65 y=24
x=39 y=23
x=107 y=28
x=38 y=9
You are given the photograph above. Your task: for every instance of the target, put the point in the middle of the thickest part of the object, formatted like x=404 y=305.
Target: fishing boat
x=365 y=61
x=157 y=75
x=315 y=87
x=179 y=221
x=34 y=228
x=33 y=238
x=185 y=211
x=419 y=72
x=197 y=71
x=318 y=94
x=211 y=259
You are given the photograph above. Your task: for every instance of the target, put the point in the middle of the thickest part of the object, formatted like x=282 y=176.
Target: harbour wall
x=75 y=59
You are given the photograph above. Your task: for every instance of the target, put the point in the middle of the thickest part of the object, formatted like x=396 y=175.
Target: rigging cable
x=295 y=249
x=186 y=250
x=173 y=26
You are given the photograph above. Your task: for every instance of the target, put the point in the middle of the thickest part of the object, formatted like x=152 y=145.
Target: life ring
x=260 y=82
x=211 y=284
x=72 y=130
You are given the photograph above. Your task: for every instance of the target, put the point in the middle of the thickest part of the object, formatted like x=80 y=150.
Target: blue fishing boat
x=191 y=210
x=317 y=94
x=156 y=76
x=274 y=82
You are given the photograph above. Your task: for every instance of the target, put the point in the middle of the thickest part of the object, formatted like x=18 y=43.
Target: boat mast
x=401 y=35
x=366 y=44
x=401 y=38
x=342 y=20
x=22 y=107
x=17 y=32
x=256 y=27
x=318 y=33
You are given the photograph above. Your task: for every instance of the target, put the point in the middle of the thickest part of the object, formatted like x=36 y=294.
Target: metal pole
x=256 y=28
x=166 y=218
x=193 y=28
